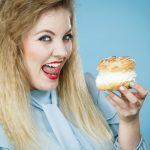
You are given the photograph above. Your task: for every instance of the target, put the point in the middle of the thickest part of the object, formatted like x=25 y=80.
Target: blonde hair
x=16 y=18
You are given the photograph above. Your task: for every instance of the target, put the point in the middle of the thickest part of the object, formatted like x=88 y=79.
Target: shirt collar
x=39 y=98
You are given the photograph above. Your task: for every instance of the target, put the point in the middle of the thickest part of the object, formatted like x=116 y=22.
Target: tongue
x=50 y=70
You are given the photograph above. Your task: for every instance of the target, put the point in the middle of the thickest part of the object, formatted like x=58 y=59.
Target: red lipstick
x=52 y=69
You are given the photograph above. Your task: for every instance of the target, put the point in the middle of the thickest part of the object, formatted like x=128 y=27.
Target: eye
x=45 y=38
x=67 y=37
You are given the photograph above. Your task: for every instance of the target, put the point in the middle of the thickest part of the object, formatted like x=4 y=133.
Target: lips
x=52 y=70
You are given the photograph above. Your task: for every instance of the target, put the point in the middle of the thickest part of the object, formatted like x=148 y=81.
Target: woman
x=46 y=102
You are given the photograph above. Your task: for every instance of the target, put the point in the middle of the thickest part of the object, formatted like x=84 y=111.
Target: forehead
x=55 y=19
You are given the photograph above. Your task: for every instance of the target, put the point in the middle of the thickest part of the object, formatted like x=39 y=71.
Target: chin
x=48 y=87
x=45 y=86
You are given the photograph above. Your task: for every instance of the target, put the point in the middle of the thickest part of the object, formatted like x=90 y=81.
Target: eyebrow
x=51 y=32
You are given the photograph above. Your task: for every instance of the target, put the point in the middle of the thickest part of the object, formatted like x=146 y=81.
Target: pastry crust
x=116 y=64
x=113 y=65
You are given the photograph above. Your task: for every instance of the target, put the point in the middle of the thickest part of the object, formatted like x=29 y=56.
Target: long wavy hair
x=17 y=17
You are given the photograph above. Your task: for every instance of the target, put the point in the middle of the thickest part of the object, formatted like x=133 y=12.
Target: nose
x=60 y=49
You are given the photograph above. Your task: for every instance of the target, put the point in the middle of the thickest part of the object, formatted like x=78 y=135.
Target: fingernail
x=117 y=93
x=132 y=83
x=106 y=93
x=122 y=88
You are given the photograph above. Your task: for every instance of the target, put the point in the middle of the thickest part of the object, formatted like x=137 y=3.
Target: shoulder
x=100 y=101
x=4 y=141
x=90 y=82
x=98 y=97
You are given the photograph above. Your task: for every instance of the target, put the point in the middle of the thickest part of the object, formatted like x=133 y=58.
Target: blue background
x=117 y=28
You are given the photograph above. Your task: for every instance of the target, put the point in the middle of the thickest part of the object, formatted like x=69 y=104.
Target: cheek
x=34 y=53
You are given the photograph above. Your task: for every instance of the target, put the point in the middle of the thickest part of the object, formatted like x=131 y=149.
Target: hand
x=129 y=103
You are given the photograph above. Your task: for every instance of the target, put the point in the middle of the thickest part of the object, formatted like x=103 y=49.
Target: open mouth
x=52 y=70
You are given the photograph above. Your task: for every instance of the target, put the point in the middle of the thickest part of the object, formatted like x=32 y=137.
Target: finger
x=131 y=105
x=123 y=97
x=120 y=95
x=123 y=102
x=138 y=96
x=129 y=95
x=141 y=90
x=117 y=101
x=123 y=111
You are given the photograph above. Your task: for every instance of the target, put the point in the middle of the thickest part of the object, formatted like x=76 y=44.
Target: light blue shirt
x=62 y=134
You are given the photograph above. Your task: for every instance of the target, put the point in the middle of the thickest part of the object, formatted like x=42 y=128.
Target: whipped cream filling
x=105 y=78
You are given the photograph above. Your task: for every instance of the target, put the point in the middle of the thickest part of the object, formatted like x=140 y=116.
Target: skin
x=49 y=40
x=41 y=46
x=128 y=107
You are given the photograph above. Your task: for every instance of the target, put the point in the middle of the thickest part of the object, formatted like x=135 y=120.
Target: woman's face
x=46 y=48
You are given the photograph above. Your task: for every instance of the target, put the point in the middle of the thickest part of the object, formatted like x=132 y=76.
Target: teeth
x=53 y=65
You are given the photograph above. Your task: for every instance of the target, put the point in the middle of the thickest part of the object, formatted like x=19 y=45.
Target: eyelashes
x=68 y=37
x=47 y=38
